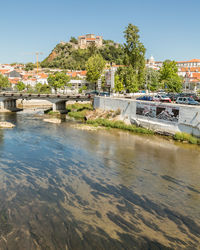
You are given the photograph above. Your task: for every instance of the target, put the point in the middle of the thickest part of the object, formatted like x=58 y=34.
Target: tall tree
x=169 y=77
x=135 y=52
x=94 y=66
x=4 y=82
x=119 y=87
x=58 y=80
x=92 y=49
x=128 y=78
x=152 y=79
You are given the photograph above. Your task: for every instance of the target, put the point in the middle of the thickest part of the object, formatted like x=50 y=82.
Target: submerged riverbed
x=65 y=188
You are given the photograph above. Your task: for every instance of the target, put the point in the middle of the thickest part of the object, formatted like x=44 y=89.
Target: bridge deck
x=18 y=95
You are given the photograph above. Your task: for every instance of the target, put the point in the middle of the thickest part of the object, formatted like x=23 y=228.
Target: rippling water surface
x=64 y=188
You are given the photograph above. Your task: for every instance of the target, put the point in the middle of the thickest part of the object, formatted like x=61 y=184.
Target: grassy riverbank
x=184 y=137
x=78 y=110
x=118 y=124
x=108 y=119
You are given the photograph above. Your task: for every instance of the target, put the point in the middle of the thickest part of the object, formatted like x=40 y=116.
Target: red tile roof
x=190 y=61
x=83 y=73
x=191 y=69
x=14 y=81
x=4 y=71
x=90 y=39
x=196 y=75
x=43 y=75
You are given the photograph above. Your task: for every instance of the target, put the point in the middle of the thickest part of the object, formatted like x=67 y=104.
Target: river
x=65 y=188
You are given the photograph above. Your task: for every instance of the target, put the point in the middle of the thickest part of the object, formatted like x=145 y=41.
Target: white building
x=190 y=63
x=190 y=71
x=151 y=63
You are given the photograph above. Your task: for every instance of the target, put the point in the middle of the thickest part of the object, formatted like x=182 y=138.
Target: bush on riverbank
x=78 y=110
x=77 y=107
x=180 y=136
x=119 y=125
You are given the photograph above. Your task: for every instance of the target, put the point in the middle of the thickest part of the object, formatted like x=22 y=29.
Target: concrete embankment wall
x=160 y=117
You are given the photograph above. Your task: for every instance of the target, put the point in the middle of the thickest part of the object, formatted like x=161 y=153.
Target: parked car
x=186 y=100
x=191 y=95
x=92 y=93
x=104 y=94
x=145 y=98
x=173 y=96
x=161 y=98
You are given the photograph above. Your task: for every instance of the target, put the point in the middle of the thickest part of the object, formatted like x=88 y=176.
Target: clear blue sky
x=169 y=29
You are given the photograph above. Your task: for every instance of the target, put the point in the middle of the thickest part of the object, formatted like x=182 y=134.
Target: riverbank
x=113 y=119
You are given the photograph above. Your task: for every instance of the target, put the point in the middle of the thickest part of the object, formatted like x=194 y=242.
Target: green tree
x=29 y=66
x=119 y=87
x=45 y=89
x=94 y=66
x=38 y=87
x=92 y=49
x=73 y=40
x=58 y=81
x=135 y=53
x=83 y=88
x=20 y=86
x=128 y=77
x=130 y=80
x=152 y=79
x=4 y=82
x=29 y=88
x=169 y=77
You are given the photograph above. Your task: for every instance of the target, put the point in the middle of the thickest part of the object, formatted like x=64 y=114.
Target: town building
x=190 y=63
x=190 y=71
x=85 y=41
x=151 y=63
x=77 y=74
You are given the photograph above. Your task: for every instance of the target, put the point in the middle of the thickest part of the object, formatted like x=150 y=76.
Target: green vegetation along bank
x=111 y=119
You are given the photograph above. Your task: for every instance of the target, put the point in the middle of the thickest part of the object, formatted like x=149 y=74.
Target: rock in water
x=6 y=125
x=53 y=120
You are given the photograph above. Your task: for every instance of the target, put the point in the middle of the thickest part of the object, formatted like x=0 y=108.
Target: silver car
x=186 y=100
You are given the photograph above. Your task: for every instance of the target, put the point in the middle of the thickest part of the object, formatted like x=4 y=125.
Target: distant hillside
x=69 y=56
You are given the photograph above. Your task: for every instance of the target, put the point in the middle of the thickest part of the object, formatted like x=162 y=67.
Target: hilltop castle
x=85 y=41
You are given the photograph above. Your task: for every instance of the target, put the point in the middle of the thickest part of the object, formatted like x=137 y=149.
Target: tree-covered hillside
x=66 y=56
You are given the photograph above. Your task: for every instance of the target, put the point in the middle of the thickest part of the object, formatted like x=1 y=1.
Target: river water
x=65 y=188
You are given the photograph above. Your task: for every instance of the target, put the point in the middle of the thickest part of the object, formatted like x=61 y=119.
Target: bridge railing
x=40 y=96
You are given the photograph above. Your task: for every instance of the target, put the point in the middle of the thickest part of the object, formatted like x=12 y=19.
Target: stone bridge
x=8 y=100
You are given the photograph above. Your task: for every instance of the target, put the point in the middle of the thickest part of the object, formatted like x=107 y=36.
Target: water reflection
x=61 y=188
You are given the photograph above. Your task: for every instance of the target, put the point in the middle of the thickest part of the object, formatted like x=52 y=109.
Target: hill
x=69 y=56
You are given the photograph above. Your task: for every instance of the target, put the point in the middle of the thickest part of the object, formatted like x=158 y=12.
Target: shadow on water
x=63 y=188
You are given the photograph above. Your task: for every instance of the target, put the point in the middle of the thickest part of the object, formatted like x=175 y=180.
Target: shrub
x=79 y=107
x=193 y=140
x=180 y=136
x=77 y=115
x=119 y=125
